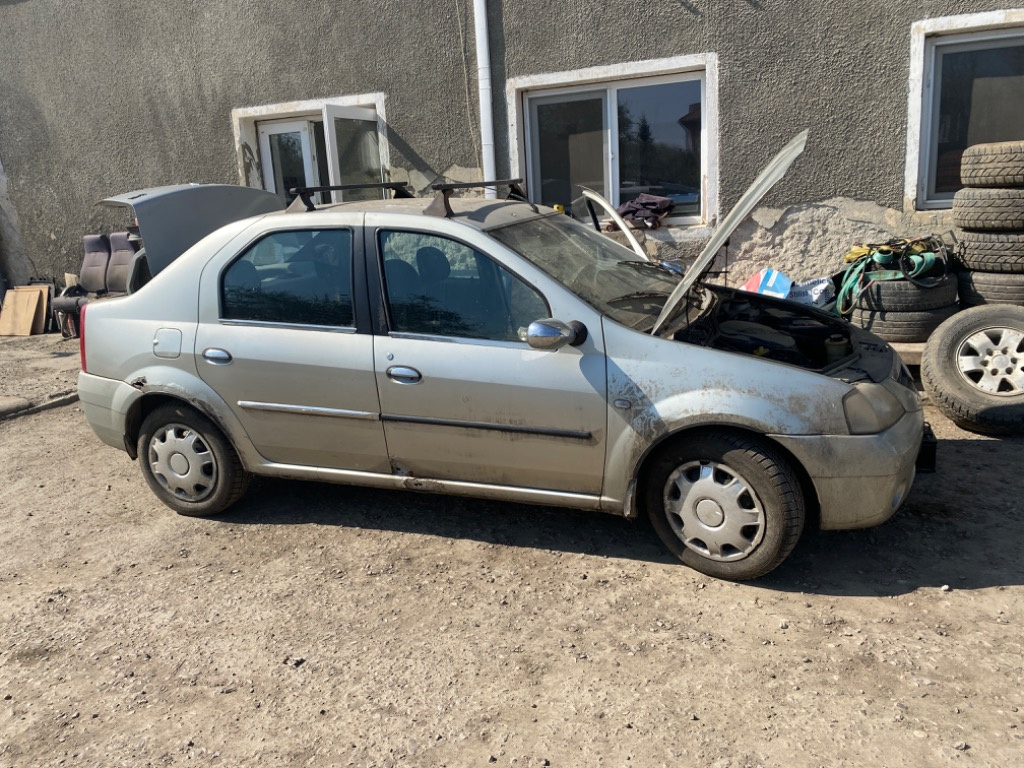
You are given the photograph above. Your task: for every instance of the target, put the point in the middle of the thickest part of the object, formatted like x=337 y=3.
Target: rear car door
x=463 y=397
x=278 y=340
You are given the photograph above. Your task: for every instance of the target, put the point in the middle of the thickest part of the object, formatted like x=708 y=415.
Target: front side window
x=441 y=287
x=294 y=277
x=973 y=94
x=621 y=139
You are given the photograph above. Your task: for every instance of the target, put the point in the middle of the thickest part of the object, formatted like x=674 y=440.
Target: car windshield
x=608 y=276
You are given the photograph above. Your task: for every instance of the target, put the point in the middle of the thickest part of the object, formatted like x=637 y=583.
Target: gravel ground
x=36 y=371
x=323 y=625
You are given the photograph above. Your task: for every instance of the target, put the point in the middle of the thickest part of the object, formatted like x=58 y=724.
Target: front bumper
x=861 y=480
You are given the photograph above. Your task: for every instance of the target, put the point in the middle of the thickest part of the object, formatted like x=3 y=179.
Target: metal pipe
x=483 y=70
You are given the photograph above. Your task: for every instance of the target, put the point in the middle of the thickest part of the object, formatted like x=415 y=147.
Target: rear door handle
x=215 y=356
x=404 y=375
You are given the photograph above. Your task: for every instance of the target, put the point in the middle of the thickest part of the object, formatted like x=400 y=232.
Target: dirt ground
x=322 y=625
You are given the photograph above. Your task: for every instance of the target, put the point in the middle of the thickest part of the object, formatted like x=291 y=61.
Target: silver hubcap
x=992 y=360
x=713 y=511
x=182 y=462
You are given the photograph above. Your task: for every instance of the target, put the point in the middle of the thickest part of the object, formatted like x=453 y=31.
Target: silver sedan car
x=496 y=349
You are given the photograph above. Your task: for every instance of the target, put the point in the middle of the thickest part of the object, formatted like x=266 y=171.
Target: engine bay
x=753 y=324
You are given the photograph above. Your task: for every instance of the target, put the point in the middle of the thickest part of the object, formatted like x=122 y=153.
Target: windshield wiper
x=638 y=295
x=661 y=266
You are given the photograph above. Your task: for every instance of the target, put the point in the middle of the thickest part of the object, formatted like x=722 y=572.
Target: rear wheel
x=726 y=504
x=188 y=463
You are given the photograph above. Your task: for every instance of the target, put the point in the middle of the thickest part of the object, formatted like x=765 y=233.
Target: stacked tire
x=902 y=311
x=989 y=213
x=973 y=367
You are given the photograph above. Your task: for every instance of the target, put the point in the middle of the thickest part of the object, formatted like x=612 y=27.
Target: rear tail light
x=81 y=335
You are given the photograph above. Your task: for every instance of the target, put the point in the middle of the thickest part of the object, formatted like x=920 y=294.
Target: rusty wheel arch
x=635 y=506
x=147 y=404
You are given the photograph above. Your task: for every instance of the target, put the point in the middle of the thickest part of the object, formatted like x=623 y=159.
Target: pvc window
x=972 y=92
x=316 y=143
x=622 y=136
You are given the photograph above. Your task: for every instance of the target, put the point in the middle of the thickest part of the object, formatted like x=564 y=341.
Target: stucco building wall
x=98 y=97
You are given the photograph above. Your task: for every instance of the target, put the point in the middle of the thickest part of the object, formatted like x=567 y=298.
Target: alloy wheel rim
x=992 y=361
x=183 y=463
x=714 y=511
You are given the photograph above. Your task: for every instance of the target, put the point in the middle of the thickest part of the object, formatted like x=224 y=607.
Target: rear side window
x=296 y=277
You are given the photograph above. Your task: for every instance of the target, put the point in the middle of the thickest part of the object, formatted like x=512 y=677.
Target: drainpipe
x=483 y=76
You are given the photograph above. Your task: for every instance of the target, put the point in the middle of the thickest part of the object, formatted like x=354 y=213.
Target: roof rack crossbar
x=516 y=192
x=470 y=184
x=442 y=208
x=400 y=189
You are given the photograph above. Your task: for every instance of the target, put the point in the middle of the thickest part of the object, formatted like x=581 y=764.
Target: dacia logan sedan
x=497 y=349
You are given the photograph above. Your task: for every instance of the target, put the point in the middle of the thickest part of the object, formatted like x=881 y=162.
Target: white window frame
x=926 y=38
x=245 y=120
x=268 y=128
x=702 y=66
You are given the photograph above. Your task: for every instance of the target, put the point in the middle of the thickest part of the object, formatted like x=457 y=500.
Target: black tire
x=991 y=251
x=902 y=326
x=905 y=296
x=978 y=288
x=772 y=503
x=1000 y=164
x=989 y=209
x=973 y=369
x=203 y=476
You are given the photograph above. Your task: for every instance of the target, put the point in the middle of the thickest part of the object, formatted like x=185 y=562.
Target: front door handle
x=215 y=356
x=404 y=375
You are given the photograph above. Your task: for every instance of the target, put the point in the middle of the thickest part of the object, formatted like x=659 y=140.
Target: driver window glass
x=441 y=287
x=298 y=277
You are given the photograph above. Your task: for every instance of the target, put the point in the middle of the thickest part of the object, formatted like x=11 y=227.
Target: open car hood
x=173 y=219
x=774 y=171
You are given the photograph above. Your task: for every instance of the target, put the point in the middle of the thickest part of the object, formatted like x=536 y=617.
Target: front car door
x=278 y=340
x=463 y=397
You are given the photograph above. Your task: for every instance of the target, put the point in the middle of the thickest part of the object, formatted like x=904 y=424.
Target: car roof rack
x=305 y=194
x=440 y=206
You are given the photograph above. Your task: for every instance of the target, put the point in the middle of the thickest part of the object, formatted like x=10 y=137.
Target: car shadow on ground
x=959 y=528
x=281 y=502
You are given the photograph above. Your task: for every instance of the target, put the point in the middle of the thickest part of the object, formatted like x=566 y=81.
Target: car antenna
x=441 y=207
x=305 y=194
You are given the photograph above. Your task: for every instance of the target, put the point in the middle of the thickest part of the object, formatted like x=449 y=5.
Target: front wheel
x=726 y=504
x=188 y=463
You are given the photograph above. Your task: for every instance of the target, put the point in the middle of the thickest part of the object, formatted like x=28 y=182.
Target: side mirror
x=551 y=334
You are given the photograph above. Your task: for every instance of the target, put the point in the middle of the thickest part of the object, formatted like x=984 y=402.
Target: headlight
x=870 y=408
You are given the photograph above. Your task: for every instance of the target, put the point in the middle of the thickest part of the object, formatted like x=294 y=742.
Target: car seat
x=92 y=282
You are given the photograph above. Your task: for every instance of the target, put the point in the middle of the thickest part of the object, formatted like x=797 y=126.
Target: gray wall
x=101 y=96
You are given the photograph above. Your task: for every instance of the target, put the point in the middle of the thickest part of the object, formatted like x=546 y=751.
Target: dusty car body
x=510 y=356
